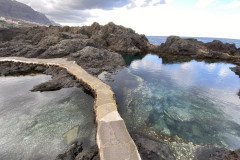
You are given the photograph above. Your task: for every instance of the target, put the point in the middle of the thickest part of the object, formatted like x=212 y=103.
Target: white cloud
x=233 y=5
x=147 y=62
x=156 y=20
x=224 y=71
x=203 y=3
x=165 y=20
x=211 y=67
x=186 y=66
x=145 y=3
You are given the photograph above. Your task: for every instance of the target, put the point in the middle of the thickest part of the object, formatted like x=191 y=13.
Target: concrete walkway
x=113 y=139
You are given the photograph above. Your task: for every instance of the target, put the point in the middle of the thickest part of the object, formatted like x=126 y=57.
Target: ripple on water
x=40 y=125
x=194 y=100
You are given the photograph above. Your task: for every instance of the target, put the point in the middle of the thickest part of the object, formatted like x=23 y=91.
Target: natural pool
x=196 y=101
x=40 y=125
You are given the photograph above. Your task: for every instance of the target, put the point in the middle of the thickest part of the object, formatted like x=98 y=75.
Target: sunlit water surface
x=36 y=125
x=197 y=101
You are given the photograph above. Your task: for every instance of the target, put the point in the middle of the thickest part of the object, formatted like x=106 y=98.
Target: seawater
x=40 y=125
x=194 y=100
x=162 y=39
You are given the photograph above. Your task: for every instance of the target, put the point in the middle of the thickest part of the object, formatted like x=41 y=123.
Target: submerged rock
x=179 y=114
x=213 y=153
x=71 y=135
x=76 y=152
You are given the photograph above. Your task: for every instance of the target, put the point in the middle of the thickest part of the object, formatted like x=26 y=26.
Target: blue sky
x=196 y=18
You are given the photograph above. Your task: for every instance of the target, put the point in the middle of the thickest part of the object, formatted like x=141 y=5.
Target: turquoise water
x=196 y=101
x=40 y=125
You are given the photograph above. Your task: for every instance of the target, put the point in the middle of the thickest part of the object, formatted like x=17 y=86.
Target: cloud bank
x=78 y=11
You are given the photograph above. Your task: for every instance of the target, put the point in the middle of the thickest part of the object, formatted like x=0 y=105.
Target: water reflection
x=41 y=125
x=195 y=100
x=130 y=58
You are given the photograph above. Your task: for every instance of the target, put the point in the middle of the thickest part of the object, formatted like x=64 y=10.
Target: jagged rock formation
x=93 y=47
x=57 y=42
x=14 y=9
x=117 y=38
x=197 y=49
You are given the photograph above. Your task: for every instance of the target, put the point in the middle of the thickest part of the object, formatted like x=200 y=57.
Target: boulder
x=177 y=45
x=97 y=60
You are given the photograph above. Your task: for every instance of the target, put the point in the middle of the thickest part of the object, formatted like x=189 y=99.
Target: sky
x=190 y=18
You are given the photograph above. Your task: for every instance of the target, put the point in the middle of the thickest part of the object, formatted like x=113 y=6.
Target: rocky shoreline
x=197 y=49
x=193 y=48
x=148 y=148
x=96 y=48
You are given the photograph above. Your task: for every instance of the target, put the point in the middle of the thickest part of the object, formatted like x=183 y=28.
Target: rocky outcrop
x=100 y=59
x=117 y=38
x=57 y=42
x=60 y=77
x=196 y=49
x=53 y=41
x=177 y=45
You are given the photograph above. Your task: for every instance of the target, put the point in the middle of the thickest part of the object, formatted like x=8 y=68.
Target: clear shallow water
x=38 y=125
x=162 y=39
x=197 y=101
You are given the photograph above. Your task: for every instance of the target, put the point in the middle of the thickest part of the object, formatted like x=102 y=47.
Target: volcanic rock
x=150 y=149
x=197 y=49
x=60 y=77
x=95 y=60
x=76 y=152
x=117 y=38
x=57 y=42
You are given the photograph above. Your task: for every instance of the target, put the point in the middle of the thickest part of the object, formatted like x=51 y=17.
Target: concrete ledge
x=113 y=139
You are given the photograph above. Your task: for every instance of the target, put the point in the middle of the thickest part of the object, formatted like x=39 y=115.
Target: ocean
x=162 y=39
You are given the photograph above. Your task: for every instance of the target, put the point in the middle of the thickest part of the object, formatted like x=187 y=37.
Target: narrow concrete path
x=113 y=139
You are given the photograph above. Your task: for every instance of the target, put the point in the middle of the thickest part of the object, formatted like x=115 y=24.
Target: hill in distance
x=14 y=9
